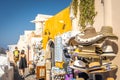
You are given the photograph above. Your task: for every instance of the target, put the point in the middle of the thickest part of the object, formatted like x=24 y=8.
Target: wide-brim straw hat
x=90 y=36
x=89 y=32
x=107 y=31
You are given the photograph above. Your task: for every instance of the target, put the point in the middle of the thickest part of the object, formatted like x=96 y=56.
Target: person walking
x=16 y=56
x=22 y=63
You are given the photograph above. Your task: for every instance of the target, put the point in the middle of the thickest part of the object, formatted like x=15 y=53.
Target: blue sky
x=15 y=16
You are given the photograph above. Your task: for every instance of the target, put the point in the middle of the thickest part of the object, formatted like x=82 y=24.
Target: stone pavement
x=27 y=75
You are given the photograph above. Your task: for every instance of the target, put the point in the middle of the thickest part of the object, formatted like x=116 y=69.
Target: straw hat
x=90 y=36
x=94 y=64
x=89 y=32
x=110 y=78
x=107 y=31
x=86 y=51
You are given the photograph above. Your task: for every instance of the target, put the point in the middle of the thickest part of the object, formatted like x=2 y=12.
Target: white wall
x=116 y=27
x=99 y=22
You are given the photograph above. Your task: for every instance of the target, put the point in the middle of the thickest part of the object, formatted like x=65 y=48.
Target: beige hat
x=90 y=36
x=89 y=49
x=72 y=42
x=89 y=32
x=107 y=31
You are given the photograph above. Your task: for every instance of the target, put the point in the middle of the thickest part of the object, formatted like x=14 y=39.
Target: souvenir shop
x=85 y=56
x=75 y=50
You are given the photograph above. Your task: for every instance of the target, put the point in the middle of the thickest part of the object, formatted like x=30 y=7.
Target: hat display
x=107 y=31
x=90 y=36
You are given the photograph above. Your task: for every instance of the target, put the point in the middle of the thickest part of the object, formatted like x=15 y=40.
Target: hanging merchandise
x=58 y=49
x=57 y=73
x=68 y=76
x=59 y=64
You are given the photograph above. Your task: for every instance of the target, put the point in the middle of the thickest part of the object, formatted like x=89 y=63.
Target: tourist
x=22 y=63
x=16 y=56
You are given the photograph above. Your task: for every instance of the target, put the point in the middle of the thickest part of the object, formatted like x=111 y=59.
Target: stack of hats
x=90 y=46
x=91 y=37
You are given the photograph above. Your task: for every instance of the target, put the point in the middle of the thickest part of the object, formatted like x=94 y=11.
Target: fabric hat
x=108 y=51
x=107 y=31
x=112 y=43
x=79 y=65
x=114 y=49
x=90 y=36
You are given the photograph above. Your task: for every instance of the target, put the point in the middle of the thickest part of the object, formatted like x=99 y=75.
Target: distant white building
x=39 y=23
x=25 y=40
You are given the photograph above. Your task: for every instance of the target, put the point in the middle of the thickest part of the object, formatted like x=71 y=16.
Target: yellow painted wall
x=58 y=24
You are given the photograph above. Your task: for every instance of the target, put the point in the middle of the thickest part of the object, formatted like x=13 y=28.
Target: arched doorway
x=51 y=48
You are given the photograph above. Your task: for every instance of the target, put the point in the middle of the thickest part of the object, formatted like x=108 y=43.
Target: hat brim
x=109 y=35
x=81 y=69
x=108 y=54
x=85 y=54
x=88 y=41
